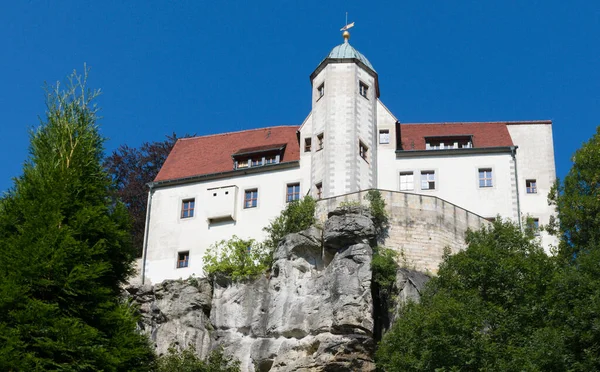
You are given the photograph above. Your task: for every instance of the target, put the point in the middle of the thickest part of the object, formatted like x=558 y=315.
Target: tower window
x=531 y=186
x=384 y=136
x=321 y=91
x=362 y=150
x=307 y=144
x=183 y=259
x=319 y=187
x=363 y=89
x=485 y=177
x=187 y=208
x=319 y=141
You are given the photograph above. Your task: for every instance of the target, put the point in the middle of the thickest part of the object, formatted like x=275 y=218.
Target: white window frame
x=428 y=179
x=381 y=138
x=488 y=177
x=404 y=186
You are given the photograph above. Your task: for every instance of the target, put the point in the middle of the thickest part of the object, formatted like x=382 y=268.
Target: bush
x=377 y=207
x=188 y=361
x=384 y=267
x=297 y=216
x=237 y=258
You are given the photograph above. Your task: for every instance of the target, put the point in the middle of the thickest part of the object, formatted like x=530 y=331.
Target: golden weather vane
x=348 y=26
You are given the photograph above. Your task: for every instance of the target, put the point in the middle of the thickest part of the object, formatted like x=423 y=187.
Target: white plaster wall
x=344 y=117
x=535 y=160
x=170 y=234
x=457 y=180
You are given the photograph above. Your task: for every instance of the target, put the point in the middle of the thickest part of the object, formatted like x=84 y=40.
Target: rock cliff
x=313 y=313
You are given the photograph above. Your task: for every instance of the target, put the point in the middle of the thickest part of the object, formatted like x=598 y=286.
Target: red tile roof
x=212 y=154
x=485 y=134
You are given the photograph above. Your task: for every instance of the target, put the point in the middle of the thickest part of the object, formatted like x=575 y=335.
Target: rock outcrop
x=313 y=313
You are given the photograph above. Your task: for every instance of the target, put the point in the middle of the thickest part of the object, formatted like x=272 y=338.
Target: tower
x=344 y=120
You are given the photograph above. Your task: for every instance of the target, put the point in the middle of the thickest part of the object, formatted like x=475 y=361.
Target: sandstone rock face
x=175 y=312
x=315 y=311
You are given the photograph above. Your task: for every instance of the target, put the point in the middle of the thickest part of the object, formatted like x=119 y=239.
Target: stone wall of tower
x=345 y=119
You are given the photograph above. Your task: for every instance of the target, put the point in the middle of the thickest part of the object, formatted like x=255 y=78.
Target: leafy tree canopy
x=65 y=250
x=188 y=361
x=577 y=199
x=132 y=169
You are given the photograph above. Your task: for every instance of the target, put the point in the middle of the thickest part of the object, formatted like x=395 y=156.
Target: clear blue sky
x=212 y=66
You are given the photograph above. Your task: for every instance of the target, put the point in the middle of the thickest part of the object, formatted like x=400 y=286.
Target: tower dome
x=347 y=51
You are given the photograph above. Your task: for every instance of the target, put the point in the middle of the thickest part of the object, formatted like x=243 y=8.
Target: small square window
x=363 y=89
x=319 y=187
x=256 y=162
x=485 y=177
x=319 y=141
x=292 y=192
x=427 y=180
x=531 y=186
x=321 y=91
x=242 y=164
x=362 y=150
x=384 y=136
x=307 y=144
x=271 y=159
x=534 y=225
x=250 y=198
x=407 y=181
x=187 y=208
x=183 y=259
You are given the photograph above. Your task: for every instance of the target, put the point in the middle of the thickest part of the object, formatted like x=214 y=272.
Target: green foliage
x=237 y=259
x=577 y=199
x=350 y=204
x=188 y=361
x=297 y=216
x=377 y=207
x=384 y=268
x=483 y=311
x=65 y=251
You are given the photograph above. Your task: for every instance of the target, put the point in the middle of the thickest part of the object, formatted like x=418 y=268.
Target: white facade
x=347 y=143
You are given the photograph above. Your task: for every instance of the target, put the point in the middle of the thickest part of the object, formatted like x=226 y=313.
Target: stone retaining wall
x=421 y=226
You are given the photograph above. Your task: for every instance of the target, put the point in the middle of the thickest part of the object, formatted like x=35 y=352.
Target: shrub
x=297 y=216
x=188 y=361
x=384 y=267
x=237 y=258
x=377 y=207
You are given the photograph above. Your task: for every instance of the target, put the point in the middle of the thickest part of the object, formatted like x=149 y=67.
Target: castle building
x=212 y=187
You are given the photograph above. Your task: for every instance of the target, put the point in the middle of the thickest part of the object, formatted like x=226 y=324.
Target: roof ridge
x=512 y=122
x=239 y=131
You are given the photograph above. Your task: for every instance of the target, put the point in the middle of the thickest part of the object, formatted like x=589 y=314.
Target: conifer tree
x=65 y=249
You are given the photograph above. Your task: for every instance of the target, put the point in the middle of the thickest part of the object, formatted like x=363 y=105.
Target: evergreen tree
x=66 y=250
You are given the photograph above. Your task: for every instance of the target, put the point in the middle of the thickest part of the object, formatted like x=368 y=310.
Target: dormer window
x=449 y=142
x=258 y=156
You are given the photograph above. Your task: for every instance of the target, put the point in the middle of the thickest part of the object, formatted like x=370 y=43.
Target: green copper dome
x=346 y=50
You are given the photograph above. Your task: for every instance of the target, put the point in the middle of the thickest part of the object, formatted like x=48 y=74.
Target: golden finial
x=348 y=26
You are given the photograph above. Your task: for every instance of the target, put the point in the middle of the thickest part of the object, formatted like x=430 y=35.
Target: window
x=534 y=225
x=384 y=136
x=319 y=187
x=407 y=181
x=531 y=186
x=293 y=192
x=319 y=141
x=362 y=150
x=250 y=198
x=363 y=89
x=485 y=177
x=321 y=91
x=183 y=259
x=257 y=162
x=187 y=208
x=448 y=143
x=307 y=144
x=242 y=164
x=271 y=159
x=427 y=180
